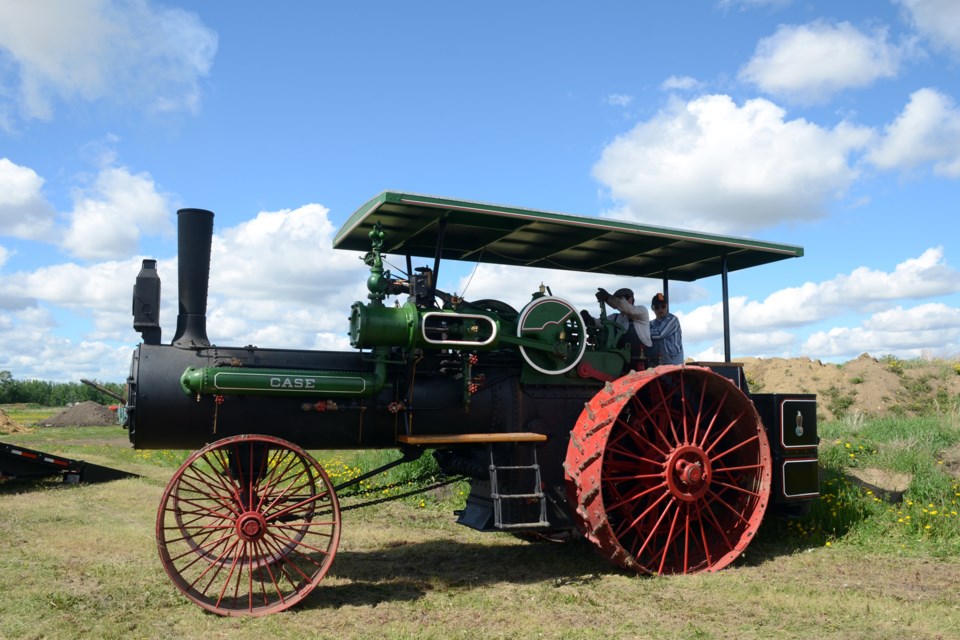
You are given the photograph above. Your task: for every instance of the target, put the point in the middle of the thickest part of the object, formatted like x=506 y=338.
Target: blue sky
x=833 y=125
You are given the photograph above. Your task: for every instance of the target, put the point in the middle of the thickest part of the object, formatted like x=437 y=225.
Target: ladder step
x=472 y=438
x=526 y=509
x=528 y=467
x=524 y=525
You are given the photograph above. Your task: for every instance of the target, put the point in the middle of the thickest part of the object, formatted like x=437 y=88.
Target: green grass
x=81 y=561
x=922 y=521
x=27 y=414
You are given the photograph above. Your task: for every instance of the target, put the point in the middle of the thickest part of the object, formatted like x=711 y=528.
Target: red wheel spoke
x=227 y=500
x=297 y=505
x=717 y=498
x=706 y=545
x=639 y=476
x=713 y=419
x=195 y=532
x=745 y=467
x=669 y=541
x=278 y=477
x=210 y=511
x=657 y=418
x=734 y=422
x=654 y=529
x=645 y=512
x=663 y=403
x=712 y=517
x=703 y=397
x=289 y=490
x=754 y=494
x=273 y=580
x=220 y=468
x=230 y=573
x=636 y=496
x=621 y=457
x=734 y=448
x=626 y=431
x=206 y=545
x=215 y=566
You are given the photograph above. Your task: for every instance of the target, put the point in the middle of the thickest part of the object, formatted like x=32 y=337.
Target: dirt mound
x=866 y=385
x=9 y=425
x=84 y=414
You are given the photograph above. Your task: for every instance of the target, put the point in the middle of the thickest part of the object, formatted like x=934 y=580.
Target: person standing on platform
x=665 y=333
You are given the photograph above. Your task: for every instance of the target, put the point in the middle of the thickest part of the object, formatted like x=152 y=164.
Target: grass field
x=81 y=561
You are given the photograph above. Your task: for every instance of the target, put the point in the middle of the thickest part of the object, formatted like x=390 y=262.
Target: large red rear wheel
x=248 y=525
x=668 y=471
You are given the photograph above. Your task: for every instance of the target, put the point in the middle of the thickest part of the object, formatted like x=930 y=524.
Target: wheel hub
x=688 y=472
x=251 y=526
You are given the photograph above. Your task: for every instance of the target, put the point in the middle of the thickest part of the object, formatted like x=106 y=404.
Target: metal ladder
x=513 y=477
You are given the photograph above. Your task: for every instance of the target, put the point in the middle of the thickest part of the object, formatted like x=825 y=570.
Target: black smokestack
x=194 y=239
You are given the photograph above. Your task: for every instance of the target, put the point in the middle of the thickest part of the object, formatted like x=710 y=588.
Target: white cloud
x=927 y=329
x=767 y=327
x=752 y=4
x=109 y=217
x=129 y=51
x=619 y=100
x=712 y=165
x=937 y=20
x=276 y=280
x=94 y=293
x=809 y=63
x=75 y=286
x=517 y=285
x=684 y=83
x=926 y=131
x=24 y=212
x=30 y=348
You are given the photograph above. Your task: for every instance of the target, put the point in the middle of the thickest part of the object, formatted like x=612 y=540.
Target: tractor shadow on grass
x=407 y=572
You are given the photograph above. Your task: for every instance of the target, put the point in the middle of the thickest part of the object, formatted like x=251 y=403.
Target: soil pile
x=865 y=385
x=9 y=425
x=84 y=414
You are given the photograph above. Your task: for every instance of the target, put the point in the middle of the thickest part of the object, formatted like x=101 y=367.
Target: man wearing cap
x=665 y=333
x=635 y=319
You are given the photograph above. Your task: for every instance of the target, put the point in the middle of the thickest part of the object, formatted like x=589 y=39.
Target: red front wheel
x=248 y=525
x=669 y=471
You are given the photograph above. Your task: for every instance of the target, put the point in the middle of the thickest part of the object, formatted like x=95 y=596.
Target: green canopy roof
x=479 y=232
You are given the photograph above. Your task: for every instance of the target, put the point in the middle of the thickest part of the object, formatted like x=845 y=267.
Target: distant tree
x=52 y=394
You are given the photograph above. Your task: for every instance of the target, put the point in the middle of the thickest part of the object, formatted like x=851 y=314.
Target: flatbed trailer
x=20 y=462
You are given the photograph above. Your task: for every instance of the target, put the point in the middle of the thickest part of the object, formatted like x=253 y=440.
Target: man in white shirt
x=634 y=318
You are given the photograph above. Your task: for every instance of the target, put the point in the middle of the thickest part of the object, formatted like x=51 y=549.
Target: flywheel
x=669 y=471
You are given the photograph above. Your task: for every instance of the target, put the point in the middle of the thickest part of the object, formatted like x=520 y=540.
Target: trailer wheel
x=248 y=525
x=669 y=470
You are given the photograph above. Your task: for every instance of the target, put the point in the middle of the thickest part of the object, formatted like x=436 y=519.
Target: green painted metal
x=378 y=325
x=480 y=232
x=282 y=382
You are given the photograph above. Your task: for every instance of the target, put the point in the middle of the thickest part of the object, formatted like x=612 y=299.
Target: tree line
x=52 y=394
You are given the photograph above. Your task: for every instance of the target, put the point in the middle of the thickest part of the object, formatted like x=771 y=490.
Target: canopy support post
x=726 y=308
x=436 y=259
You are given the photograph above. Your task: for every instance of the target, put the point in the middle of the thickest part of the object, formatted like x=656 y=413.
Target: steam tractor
x=664 y=469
